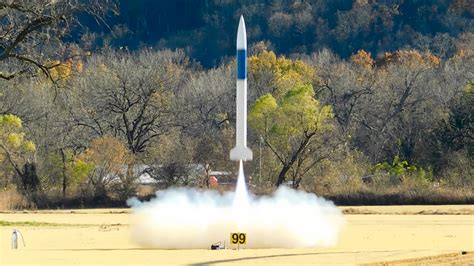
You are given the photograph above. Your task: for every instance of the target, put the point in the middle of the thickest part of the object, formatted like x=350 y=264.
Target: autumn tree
x=276 y=75
x=112 y=167
x=62 y=170
x=170 y=160
x=18 y=152
x=290 y=127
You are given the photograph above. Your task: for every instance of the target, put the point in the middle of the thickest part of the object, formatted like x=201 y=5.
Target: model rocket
x=241 y=151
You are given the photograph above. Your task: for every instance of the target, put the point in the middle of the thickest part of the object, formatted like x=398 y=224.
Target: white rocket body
x=241 y=152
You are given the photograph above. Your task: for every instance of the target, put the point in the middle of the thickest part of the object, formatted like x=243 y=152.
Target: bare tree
x=344 y=86
x=32 y=32
x=207 y=111
x=128 y=95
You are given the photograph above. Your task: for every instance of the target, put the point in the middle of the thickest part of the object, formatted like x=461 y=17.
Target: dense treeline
x=80 y=125
x=206 y=28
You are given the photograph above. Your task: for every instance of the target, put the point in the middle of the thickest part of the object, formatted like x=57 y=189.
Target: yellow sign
x=238 y=238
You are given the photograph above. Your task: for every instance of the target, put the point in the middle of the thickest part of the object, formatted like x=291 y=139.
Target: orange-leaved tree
x=112 y=167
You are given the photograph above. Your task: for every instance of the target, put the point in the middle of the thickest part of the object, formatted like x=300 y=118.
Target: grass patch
x=79 y=211
x=464 y=211
x=39 y=224
x=366 y=195
x=102 y=227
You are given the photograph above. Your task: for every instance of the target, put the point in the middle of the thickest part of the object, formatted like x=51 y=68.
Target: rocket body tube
x=241 y=151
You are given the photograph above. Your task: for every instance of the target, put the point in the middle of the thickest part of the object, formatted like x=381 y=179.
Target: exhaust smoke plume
x=186 y=218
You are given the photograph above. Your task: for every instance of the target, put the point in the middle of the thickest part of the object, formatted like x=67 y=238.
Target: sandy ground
x=98 y=237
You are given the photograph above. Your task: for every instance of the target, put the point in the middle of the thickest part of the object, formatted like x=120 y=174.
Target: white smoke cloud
x=184 y=218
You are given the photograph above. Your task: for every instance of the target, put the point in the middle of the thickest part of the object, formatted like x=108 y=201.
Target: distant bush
x=402 y=196
x=459 y=170
x=10 y=199
x=343 y=176
x=350 y=182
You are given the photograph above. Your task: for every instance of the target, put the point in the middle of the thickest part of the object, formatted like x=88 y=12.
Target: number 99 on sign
x=238 y=238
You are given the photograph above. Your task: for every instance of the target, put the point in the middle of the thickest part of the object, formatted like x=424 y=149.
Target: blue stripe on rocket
x=241 y=64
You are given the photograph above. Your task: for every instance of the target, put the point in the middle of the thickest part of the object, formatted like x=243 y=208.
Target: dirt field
x=372 y=234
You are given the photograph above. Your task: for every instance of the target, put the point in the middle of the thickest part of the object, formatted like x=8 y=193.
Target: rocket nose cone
x=241 y=35
x=241 y=21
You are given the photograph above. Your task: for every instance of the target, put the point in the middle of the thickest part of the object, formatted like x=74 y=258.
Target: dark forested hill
x=206 y=28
